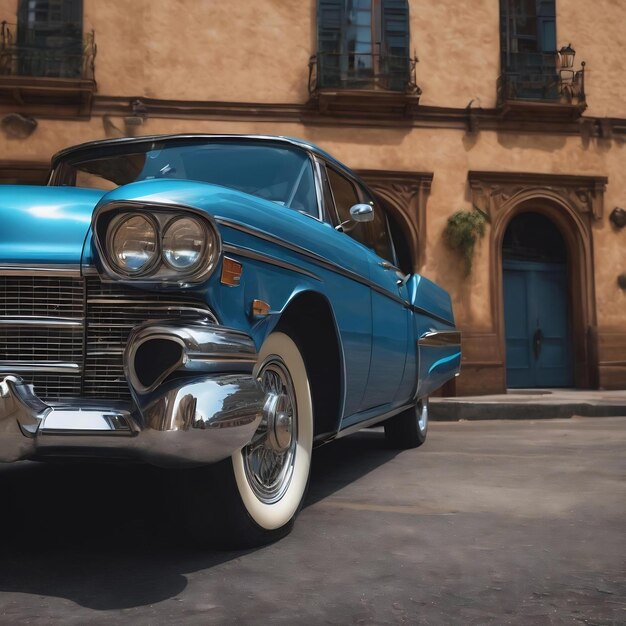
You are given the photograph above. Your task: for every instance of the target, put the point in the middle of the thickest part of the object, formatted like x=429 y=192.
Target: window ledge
x=363 y=103
x=47 y=97
x=544 y=110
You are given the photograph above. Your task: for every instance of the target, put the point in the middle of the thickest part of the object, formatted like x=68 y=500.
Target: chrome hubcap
x=269 y=458
x=278 y=421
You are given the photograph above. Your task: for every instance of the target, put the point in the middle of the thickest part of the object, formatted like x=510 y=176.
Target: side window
x=374 y=234
x=346 y=196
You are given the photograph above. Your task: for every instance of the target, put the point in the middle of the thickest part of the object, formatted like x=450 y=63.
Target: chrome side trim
x=49 y=269
x=43 y=322
x=329 y=265
x=441 y=338
x=312 y=256
x=421 y=311
x=270 y=260
x=40 y=366
x=349 y=430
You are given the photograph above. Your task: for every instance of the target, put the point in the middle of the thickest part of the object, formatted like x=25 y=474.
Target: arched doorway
x=537 y=320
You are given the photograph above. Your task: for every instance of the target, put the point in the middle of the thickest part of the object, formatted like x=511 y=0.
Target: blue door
x=536 y=324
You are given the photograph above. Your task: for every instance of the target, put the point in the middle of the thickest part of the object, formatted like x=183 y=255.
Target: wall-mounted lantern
x=566 y=55
x=618 y=217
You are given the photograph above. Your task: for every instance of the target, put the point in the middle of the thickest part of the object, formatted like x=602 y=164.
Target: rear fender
x=438 y=340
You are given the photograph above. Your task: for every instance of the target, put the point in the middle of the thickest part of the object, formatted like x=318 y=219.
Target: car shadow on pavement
x=106 y=537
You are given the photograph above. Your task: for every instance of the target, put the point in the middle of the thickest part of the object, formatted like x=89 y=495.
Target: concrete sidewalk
x=530 y=404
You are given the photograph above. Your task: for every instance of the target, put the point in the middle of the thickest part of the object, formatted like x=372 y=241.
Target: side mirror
x=362 y=212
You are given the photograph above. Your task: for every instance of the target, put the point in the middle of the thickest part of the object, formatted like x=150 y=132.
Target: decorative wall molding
x=491 y=191
x=416 y=116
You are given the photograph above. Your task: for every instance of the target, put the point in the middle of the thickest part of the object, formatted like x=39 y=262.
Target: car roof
x=193 y=137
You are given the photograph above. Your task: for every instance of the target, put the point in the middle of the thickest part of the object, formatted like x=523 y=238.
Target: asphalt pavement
x=490 y=522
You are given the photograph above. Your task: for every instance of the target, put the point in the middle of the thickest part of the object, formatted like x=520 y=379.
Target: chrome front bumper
x=201 y=405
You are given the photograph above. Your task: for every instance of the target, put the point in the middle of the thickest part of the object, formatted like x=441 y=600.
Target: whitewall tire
x=272 y=473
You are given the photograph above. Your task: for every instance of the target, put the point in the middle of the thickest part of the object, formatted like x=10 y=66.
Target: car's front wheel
x=257 y=493
x=272 y=472
x=409 y=428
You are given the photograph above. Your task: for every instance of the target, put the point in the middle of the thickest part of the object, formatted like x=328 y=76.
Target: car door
x=390 y=315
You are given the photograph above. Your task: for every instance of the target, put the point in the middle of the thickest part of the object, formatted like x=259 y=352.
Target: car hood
x=44 y=224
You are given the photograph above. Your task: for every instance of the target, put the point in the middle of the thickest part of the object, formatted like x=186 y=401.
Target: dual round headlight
x=136 y=245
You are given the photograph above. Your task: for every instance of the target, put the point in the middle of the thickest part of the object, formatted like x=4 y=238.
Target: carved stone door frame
x=573 y=203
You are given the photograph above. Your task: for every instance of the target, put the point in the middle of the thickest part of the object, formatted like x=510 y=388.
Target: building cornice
x=469 y=120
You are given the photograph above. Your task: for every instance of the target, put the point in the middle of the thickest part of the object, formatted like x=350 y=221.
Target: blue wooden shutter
x=395 y=44
x=330 y=26
x=546 y=26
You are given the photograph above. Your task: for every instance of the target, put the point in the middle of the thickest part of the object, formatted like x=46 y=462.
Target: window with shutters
x=531 y=68
x=363 y=44
x=528 y=46
x=46 y=60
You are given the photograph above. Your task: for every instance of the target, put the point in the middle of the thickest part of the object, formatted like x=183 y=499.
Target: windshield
x=282 y=174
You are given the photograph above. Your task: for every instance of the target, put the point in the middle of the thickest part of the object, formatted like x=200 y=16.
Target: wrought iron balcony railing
x=380 y=72
x=58 y=55
x=543 y=83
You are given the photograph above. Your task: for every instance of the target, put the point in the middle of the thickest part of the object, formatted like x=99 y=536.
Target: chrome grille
x=67 y=336
x=41 y=332
x=37 y=296
x=112 y=312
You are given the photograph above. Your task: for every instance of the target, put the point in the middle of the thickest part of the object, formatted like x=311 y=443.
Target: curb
x=442 y=411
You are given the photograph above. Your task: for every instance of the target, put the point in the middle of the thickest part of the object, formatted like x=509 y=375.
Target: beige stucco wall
x=8 y=10
x=458 y=47
x=245 y=51
x=596 y=32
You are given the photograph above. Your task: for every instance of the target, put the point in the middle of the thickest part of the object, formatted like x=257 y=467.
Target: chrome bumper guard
x=201 y=404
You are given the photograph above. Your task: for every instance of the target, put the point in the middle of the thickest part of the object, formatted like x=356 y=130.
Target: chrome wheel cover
x=422 y=415
x=269 y=458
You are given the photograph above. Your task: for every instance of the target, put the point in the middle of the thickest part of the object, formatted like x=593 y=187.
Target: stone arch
x=572 y=204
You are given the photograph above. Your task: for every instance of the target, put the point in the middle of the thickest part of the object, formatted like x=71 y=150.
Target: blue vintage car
x=227 y=300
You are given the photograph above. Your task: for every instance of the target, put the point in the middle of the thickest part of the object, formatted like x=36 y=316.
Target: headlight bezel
x=109 y=217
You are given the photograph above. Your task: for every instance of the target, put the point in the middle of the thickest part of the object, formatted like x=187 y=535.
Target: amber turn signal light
x=231 y=272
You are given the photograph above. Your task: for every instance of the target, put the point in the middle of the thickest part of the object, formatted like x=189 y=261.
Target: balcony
x=55 y=79
x=363 y=85
x=544 y=87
